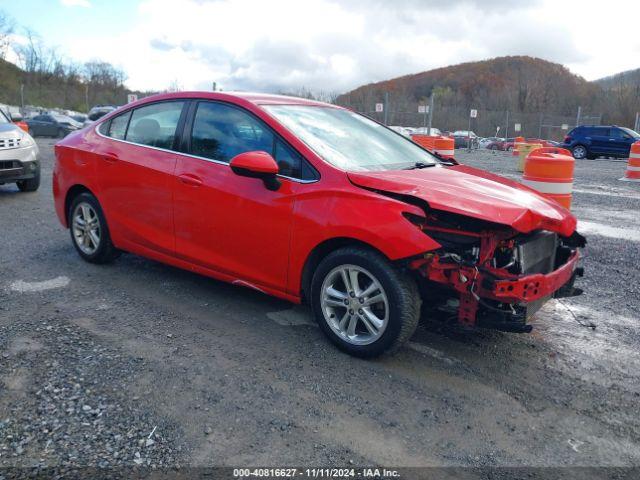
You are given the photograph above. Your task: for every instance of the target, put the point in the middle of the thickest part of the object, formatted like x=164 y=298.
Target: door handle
x=110 y=157
x=189 y=179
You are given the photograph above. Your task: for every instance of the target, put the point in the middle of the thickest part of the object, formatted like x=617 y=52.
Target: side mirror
x=257 y=165
x=16 y=117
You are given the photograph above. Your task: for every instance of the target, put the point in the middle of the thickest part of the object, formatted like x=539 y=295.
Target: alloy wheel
x=579 y=152
x=86 y=228
x=354 y=304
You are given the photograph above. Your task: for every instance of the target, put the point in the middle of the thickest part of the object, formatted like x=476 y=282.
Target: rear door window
x=118 y=126
x=155 y=125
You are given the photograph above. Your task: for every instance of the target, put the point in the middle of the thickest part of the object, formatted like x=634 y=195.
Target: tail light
x=567 y=139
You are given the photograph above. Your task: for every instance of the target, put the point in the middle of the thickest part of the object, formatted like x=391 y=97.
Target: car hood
x=475 y=193
x=10 y=131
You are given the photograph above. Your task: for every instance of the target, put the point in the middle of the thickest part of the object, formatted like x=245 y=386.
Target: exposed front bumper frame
x=475 y=284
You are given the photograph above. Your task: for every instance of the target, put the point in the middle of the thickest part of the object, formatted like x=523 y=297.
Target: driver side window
x=220 y=132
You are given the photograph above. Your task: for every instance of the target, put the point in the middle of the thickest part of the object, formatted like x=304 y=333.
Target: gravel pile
x=80 y=414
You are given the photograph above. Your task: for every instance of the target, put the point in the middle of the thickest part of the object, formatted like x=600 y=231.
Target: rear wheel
x=89 y=230
x=365 y=305
x=579 y=152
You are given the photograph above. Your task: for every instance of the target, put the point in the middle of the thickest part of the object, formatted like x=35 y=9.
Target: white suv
x=18 y=156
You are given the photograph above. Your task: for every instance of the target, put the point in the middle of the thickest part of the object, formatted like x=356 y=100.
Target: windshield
x=349 y=141
x=3 y=118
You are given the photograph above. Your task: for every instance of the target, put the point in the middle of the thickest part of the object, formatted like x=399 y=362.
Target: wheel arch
x=72 y=193
x=323 y=249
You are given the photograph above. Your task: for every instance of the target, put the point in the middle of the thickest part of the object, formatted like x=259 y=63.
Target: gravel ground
x=139 y=364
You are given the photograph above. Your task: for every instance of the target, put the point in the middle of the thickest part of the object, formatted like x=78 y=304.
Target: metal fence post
x=386 y=107
x=578 y=116
x=506 y=126
x=430 y=113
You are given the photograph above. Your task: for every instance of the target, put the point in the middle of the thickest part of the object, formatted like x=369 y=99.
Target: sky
x=326 y=45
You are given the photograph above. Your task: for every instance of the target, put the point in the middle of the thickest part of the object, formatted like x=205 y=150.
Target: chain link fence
x=487 y=123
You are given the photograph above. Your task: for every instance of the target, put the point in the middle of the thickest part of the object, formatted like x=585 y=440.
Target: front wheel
x=365 y=305
x=89 y=230
x=31 y=184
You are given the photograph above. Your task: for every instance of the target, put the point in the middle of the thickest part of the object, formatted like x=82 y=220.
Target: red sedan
x=312 y=202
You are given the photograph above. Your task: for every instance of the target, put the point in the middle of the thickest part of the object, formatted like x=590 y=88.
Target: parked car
x=486 y=142
x=592 y=141
x=97 y=113
x=313 y=203
x=80 y=118
x=504 y=144
x=401 y=130
x=18 y=156
x=52 y=125
x=434 y=132
x=465 y=139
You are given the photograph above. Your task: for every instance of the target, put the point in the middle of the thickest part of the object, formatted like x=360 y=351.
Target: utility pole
x=636 y=125
x=540 y=126
x=22 y=98
x=578 y=116
x=86 y=95
x=430 y=113
x=506 y=128
x=386 y=107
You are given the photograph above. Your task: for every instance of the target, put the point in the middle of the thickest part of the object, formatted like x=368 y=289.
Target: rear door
x=135 y=167
x=226 y=222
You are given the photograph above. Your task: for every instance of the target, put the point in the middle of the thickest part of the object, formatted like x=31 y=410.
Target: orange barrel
x=523 y=151
x=632 y=174
x=426 y=141
x=445 y=147
x=516 y=145
x=549 y=170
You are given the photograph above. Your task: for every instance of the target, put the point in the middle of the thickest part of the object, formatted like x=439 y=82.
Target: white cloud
x=75 y=3
x=336 y=45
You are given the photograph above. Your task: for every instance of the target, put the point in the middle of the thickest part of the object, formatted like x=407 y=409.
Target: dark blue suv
x=592 y=141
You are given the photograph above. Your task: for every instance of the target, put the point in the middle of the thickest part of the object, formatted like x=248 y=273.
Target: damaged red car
x=314 y=203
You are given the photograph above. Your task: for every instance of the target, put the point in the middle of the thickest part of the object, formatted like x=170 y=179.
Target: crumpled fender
x=357 y=215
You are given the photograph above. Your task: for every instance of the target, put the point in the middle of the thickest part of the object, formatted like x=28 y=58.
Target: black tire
x=30 y=185
x=580 y=152
x=106 y=252
x=401 y=289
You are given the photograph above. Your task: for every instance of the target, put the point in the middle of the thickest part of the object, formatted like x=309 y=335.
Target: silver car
x=18 y=156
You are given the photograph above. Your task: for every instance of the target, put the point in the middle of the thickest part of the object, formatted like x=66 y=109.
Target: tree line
x=44 y=78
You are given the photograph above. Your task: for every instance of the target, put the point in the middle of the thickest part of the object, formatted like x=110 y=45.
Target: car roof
x=251 y=97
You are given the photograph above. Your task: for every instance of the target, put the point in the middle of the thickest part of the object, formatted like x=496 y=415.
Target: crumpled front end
x=491 y=275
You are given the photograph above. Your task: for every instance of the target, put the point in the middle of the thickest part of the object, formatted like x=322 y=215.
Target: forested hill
x=517 y=83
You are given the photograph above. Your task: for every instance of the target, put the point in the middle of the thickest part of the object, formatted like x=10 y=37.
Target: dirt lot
x=137 y=363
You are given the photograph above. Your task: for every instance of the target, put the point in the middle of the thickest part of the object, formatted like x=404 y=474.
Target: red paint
x=200 y=215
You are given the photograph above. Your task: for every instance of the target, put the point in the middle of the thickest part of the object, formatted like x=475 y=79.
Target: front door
x=223 y=221
x=136 y=176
